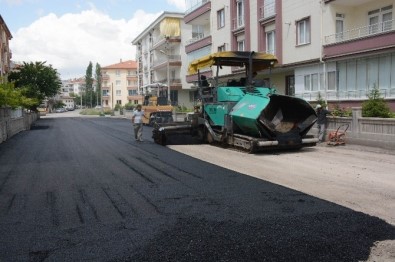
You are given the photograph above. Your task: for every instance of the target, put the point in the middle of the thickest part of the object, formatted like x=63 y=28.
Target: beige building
x=120 y=84
x=5 y=52
x=159 y=54
x=337 y=49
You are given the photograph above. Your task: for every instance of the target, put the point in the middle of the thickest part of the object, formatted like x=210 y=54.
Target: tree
x=375 y=106
x=9 y=96
x=98 y=83
x=36 y=81
x=89 y=82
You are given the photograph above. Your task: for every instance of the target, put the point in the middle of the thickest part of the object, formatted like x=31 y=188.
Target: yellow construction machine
x=155 y=105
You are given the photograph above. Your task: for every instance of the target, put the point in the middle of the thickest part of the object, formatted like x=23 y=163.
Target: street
x=80 y=188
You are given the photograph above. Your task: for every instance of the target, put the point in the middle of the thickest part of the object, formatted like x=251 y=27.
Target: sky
x=68 y=34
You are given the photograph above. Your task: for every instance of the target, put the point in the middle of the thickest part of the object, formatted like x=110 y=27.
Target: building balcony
x=197 y=43
x=161 y=41
x=360 y=40
x=267 y=11
x=238 y=23
x=174 y=60
x=105 y=77
x=194 y=78
x=175 y=83
x=131 y=77
x=202 y=7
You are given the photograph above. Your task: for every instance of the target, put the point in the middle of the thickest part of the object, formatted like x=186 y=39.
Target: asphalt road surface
x=74 y=189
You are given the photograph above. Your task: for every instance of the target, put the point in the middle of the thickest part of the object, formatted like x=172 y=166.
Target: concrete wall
x=368 y=131
x=11 y=126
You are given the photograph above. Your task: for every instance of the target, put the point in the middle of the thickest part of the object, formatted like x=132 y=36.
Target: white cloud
x=71 y=41
x=180 y=4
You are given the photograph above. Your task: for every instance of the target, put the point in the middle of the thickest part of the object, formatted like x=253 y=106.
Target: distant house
x=119 y=84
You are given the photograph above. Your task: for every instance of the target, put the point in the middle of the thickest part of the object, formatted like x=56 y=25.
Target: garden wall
x=369 y=131
x=14 y=121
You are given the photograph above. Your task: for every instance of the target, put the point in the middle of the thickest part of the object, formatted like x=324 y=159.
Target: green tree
x=36 y=81
x=375 y=106
x=12 y=97
x=89 y=82
x=98 y=84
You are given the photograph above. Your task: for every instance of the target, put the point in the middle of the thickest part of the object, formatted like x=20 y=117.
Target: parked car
x=60 y=110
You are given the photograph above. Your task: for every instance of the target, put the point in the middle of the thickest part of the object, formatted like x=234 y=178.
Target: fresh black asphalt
x=81 y=189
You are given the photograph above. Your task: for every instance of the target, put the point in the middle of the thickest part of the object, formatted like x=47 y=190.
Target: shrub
x=118 y=107
x=342 y=112
x=375 y=106
x=129 y=106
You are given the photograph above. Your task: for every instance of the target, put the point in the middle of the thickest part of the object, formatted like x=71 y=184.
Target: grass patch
x=95 y=112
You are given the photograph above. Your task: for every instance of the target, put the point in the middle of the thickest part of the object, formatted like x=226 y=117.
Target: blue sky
x=68 y=34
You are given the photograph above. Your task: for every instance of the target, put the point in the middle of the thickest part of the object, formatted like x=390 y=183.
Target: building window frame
x=303 y=31
x=240 y=13
x=221 y=18
x=271 y=42
x=241 y=45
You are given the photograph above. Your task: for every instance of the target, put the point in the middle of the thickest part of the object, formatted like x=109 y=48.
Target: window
x=118 y=72
x=314 y=82
x=269 y=8
x=193 y=96
x=221 y=18
x=221 y=48
x=307 y=84
x=240 y=45
x=339 y=27
x=105 y=92
x=380 y=20
x=118 y=92
x=303 y=28
x=197 y=31
x=118 y=82
x=119 y=102
x=271 y=42
x=240 y=13
x=132 y=92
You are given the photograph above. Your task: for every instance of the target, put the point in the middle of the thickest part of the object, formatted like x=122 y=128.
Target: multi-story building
x=5 y=52
x=159 y=49
x=335 y=49
x=120 y=84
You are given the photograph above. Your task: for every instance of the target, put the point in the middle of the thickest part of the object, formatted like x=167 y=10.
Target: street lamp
x=168 y=73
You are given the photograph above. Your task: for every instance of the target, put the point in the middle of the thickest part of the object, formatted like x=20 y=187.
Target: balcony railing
x=196 y=6
x=268 y=10
x=360 y=32
x=238 y=22
x=195 y=39
x=171 y=58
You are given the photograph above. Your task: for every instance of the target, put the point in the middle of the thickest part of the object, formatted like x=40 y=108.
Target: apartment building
x=120 y=84
x=5 y=52
x=159 y=54
x=336 y=49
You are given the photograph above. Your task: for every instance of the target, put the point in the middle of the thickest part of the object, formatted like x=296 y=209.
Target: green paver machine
x=242 y=114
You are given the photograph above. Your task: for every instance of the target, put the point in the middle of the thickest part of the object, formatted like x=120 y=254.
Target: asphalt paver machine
x=242 y=114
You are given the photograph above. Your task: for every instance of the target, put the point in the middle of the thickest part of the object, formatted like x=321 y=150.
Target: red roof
x=129 y=64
